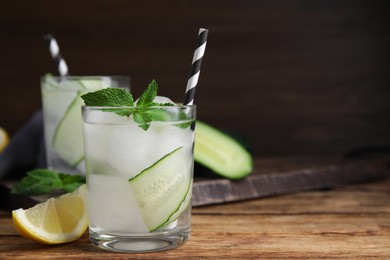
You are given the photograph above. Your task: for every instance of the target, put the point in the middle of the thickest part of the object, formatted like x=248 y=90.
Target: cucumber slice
x=50 y=82
x=221 y=153
x=68 y=136
x=161 y=190
x=183 y=206
x=95 y=84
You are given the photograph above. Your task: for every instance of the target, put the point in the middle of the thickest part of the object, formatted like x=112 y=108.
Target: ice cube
x=112 y=205
x=159 y=99
x=132 y=149
x=95 y=145
x=96 y=138
x=129 y=146
x=163 y=100
x=105 y=117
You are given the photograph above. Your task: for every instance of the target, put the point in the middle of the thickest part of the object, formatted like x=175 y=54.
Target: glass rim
x=175 y=106
x=85 y=76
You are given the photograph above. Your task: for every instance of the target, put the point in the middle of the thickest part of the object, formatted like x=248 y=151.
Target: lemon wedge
x=4 y=139
x=55 y=221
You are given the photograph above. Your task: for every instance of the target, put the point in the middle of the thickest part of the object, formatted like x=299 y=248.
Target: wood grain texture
x=350 y=222
x=275 y=176
x=293 y=76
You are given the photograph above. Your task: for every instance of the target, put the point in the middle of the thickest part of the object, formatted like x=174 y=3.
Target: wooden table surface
x=349 y=222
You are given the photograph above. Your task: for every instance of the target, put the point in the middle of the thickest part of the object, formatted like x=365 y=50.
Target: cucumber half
x=162 y=189
x=221 y=153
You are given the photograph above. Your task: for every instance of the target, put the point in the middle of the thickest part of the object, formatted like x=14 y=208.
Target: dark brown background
x=293 y=76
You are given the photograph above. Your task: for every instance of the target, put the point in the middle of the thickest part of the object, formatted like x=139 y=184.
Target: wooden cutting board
x=270 y=177
x=276 y=176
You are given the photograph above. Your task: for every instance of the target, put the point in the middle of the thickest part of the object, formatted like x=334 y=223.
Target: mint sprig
x=41 y=181
x=149 y=94
x=142 y=115
x=110 y=97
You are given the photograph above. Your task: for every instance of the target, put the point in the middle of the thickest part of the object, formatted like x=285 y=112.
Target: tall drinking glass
x=61 y=105
x=139 y=176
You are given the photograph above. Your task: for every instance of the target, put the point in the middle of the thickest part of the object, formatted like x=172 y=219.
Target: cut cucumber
x=95 y=84
x=221 y=153
x=183 y=206
x=161 y=190
x=68 y=137
x=49 y=82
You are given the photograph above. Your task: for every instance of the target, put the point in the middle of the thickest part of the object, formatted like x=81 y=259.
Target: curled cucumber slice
x=161 y=189
x=68 y=136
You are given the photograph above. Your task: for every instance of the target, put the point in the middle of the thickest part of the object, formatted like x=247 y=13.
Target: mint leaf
x=40 y=181
x=160 y=115
x=149 y=94
x=168 y=115
x=142 y=119
x=108 y=97
x=162 y=104
x=142 y=115
x=71 y=182
x=119 y=111
x=184 y=117
x=36 y=182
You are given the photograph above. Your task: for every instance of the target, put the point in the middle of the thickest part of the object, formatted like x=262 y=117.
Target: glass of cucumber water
x=61 y=105
x=139 y=165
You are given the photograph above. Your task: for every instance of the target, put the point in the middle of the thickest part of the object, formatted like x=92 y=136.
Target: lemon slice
x=57 y=220
x=4 y=139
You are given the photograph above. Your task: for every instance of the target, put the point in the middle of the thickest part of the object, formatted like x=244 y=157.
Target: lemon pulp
x=57 y=220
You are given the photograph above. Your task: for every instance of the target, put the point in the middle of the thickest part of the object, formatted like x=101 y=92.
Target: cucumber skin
x=176 y=214
x=55 y=139
x=151 y=166
x=78 y=102
x=236 y=167
x=182 y=207
x=176 y=211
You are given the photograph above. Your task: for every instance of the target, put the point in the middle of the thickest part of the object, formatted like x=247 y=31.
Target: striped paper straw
x=196 y=63
x=56 y=55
